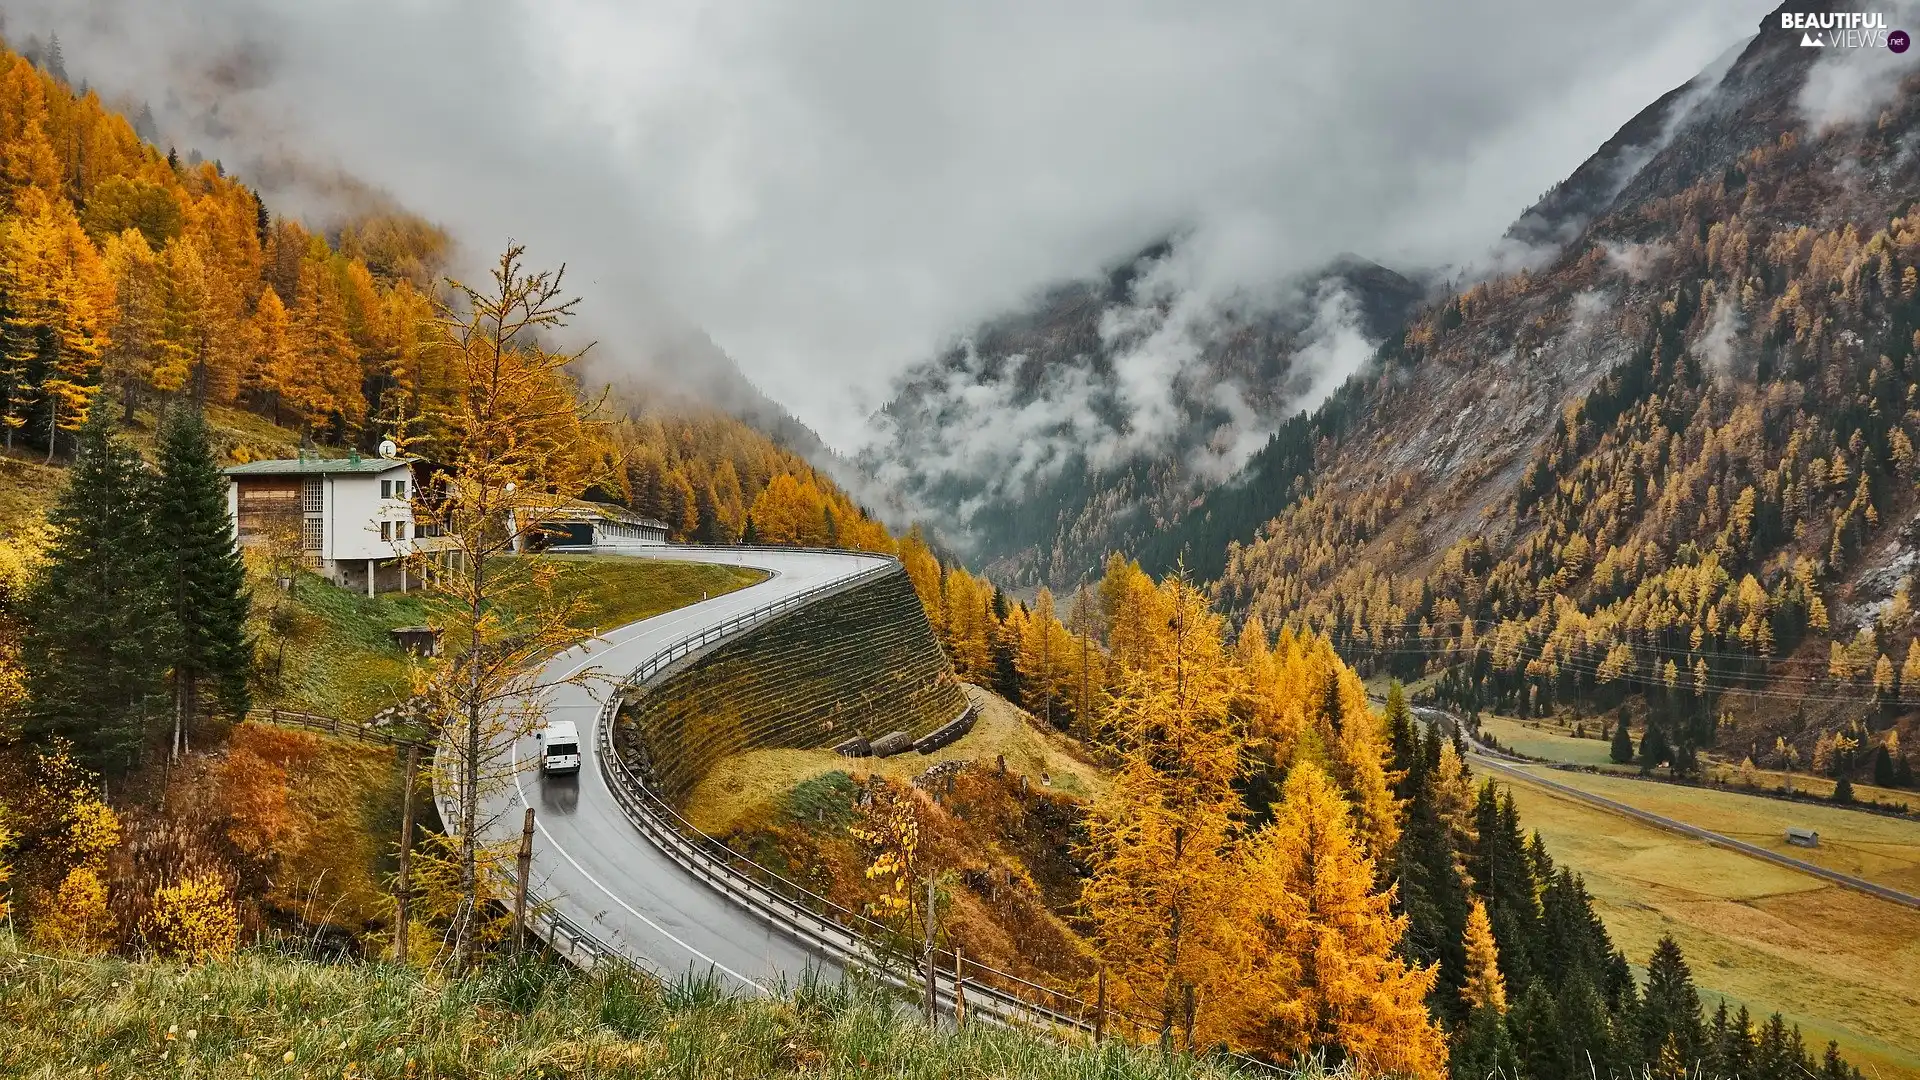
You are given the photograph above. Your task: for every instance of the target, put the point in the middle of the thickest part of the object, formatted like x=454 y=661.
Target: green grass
x=738 y=785
x=279 y=1019
x=1878 y=847
x=1530 y=740
x=1837 y=962
x=337 y=659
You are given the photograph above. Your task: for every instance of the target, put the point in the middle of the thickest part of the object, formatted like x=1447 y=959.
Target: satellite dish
x=388 y=448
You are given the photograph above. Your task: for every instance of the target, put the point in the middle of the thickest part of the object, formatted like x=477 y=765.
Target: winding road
x=1519 y=769
x=591 y=865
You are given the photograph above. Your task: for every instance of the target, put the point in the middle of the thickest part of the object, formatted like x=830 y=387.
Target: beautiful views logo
x=1844 y=30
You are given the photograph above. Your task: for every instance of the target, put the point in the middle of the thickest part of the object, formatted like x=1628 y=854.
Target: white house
x=352 y=517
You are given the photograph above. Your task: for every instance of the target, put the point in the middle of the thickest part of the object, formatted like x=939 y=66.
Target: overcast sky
x=833 y=189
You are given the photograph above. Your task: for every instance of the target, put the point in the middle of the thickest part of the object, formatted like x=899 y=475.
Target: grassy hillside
x=751 y=783
x=279 y=1019
x=326 y=649
x=1838 y=963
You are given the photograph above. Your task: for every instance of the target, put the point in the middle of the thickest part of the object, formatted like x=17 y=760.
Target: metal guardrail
x=849 y=937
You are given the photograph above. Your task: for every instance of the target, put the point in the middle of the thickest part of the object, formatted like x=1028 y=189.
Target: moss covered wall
x=859 y=662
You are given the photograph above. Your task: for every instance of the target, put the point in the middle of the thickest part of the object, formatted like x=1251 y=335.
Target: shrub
x=78 y=920
x=194 y=920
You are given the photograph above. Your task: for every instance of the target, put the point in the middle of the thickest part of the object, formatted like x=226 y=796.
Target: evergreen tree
x=95 y=649
x=1434 y=898
x=1482 y=1048
x=1883 y=775
x=1403 y=741
x=1622 y=752
x=1503 y=876
x=149 y=130
x=1842 y=790
x=750 y=536
x=1670 y=1009
x=206 y=582
x=56 y=59
x=1654 y=748
x=1534 y=1025
x=1903 y=773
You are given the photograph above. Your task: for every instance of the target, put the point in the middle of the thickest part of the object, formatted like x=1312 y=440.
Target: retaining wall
x=859 y=662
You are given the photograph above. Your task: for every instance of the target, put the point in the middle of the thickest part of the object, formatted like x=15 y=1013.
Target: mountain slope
x=1092 y=417
x=1674 y=462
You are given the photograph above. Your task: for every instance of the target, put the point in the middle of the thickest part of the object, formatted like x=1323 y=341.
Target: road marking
x=658 y=622
x=635 y=912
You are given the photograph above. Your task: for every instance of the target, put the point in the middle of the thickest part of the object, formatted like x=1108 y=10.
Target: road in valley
x=1517 y=768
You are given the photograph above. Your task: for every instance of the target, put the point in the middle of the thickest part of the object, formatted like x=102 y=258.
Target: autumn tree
x=513 y=447
x=1327 y=972
x=1160 y=892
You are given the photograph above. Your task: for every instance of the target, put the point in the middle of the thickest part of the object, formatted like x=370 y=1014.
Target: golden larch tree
x=1159 y=843
x=1325 y=970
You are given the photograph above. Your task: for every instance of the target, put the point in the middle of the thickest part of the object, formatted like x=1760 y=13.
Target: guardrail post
x=959 y=991
x=932 y=1013
x=1100 y=1007
x=524 y=865
x=403 y=887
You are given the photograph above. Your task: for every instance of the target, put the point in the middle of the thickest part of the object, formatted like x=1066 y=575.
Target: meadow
x=1835 y=961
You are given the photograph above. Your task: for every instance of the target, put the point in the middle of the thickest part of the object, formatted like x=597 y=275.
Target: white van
x=559 y=747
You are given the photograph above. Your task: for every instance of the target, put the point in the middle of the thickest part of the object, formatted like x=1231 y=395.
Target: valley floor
x=1835 y=961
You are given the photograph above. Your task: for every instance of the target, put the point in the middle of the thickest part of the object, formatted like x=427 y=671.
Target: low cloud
x=1851 y=86
x=832 y=190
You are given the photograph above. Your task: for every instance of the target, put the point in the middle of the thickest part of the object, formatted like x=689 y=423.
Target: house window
x=399 y=530
x=313 y=498
x=313 y=533
x=386 y=489
x=399 y=489
x=386 y=530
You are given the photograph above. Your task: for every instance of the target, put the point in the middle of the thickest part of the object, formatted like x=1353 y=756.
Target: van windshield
x=562 y=749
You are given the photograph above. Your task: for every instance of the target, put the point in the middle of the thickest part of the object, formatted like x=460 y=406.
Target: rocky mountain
x=1670 y=462
x=1091 y=418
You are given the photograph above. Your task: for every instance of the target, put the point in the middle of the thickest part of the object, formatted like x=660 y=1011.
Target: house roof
x=318 y=466
x=584 y=510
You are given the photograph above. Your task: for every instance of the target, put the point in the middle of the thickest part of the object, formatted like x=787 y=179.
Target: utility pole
x=932 y=1012
x=403 y=887
x=524 y=866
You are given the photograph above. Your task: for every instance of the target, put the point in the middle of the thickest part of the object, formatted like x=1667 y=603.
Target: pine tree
x=96 y=646
x=145 y=126
x=1670 y=1009
x=206 y=581
x=1433 y=895
x=1622 y=750
x=1482 y=1048
x=1842 y=790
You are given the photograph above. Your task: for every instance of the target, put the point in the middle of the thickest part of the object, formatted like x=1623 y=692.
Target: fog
x=832 y=191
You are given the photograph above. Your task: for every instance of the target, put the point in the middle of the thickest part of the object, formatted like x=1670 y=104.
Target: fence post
x=524 y=865
x=959 y=991
x=1100 y=1007
x=932 y=1015
x=403 y=887
x=1188 y=991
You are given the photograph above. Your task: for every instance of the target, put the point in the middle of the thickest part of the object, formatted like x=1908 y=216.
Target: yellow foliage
x=1485 y=987
x=1322 y=945
x=194 y=920
x=93 y=829
x=78 y=919
x=890 y=827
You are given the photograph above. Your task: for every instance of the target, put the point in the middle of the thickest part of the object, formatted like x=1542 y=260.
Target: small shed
x=418 y=640
x=1802 y=837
